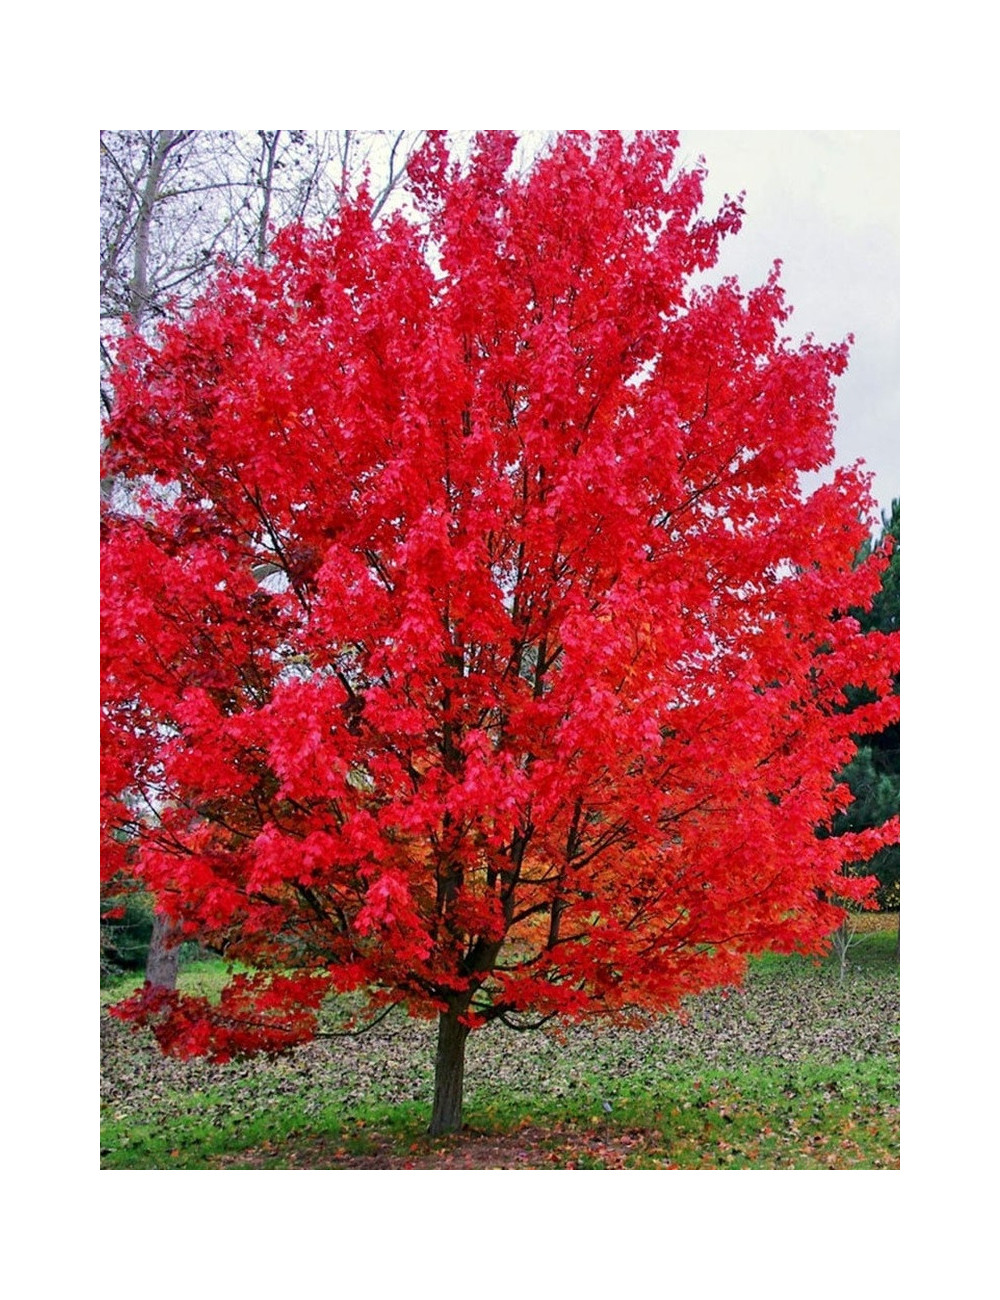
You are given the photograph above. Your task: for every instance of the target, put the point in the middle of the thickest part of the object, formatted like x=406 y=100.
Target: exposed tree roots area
x=798 y=1070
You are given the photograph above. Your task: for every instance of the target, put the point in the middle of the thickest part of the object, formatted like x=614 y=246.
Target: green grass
x=875 y=952
x=205 y=977
x=760 y=1117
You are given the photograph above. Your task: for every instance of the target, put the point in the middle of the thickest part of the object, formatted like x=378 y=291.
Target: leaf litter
x=793 y=1021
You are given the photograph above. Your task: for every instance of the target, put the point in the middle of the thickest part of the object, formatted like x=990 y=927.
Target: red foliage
x=474 y=641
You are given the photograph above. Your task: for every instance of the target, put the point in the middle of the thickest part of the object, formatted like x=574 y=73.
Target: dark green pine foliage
x=873 y=774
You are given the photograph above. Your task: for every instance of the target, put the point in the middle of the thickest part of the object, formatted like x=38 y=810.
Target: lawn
x=798 y=1070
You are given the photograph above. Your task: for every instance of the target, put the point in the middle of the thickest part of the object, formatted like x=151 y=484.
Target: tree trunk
x=161 y=961
x=449 y=1072
x=269 y=142
x=139 y=295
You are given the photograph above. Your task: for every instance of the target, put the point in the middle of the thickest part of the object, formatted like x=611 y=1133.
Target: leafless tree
x=171 y=201
x=844 y=938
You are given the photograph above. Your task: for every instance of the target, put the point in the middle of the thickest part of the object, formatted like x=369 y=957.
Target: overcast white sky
x=827 y=204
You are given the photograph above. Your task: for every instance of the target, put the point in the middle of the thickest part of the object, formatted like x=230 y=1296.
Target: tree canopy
x=472 y=641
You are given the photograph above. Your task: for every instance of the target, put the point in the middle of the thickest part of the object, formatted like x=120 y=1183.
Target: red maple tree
x=468 y=637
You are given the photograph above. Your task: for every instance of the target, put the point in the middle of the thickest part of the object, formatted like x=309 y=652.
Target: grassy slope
x=795 y=1071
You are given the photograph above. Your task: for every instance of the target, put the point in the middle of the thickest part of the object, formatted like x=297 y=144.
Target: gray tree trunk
x=151 y=192
x=161 y=961
x=269 y=142
x=449 y=1073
